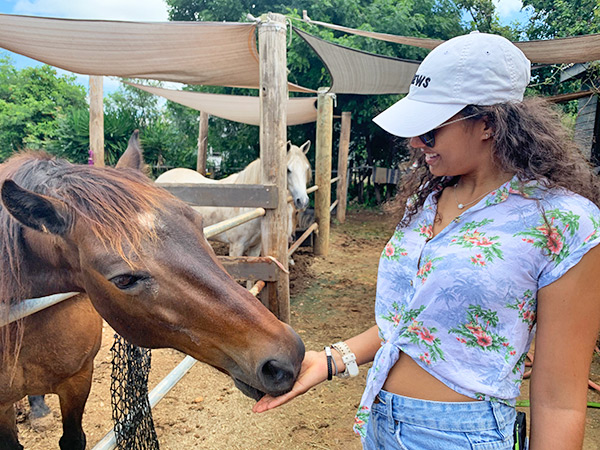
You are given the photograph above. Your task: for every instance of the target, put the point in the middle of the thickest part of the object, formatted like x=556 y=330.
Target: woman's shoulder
x=553 y=197
x=566 y=200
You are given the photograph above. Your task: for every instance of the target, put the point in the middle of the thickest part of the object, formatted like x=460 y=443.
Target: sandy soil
x=332 y=299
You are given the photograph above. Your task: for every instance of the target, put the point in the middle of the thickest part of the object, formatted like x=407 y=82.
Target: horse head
x=299 y=173
x=141 y=256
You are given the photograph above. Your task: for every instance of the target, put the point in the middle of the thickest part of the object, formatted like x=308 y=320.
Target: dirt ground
x=332 y=299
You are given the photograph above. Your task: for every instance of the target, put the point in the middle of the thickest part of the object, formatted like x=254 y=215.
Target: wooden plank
x=251 y=268
x=585 y=124
x=383 y=175
x=230 y=195
x=273 y=136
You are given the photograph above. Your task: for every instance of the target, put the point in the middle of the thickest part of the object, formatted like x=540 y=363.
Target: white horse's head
x=299 y=173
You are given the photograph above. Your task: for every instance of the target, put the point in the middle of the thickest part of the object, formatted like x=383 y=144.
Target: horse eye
x=289 y=170
x=125 y=281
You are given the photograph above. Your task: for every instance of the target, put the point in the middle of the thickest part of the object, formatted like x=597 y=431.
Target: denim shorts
x=405 y=423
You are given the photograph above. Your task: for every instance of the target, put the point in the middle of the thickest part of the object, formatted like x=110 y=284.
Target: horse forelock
x=297 y=156
x=119 y=206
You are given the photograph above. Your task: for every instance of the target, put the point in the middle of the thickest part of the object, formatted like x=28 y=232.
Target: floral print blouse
x=463 y=304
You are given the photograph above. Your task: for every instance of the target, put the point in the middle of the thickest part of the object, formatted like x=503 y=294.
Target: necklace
x=464 y=205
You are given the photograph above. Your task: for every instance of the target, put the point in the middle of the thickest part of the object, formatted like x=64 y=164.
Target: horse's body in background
x=140 y=258
x=245 y=239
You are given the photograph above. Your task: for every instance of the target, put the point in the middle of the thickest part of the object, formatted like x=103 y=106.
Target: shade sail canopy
x=208 y=53
x=574 y=49
x=357 y=72
x=238 y=108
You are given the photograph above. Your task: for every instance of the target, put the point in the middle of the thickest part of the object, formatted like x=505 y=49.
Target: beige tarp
x=575 y=49
x=209 y=53
x=414 y=41
x=238 y=108
x=357 y=72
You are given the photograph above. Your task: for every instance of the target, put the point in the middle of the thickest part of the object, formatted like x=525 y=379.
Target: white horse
x=245 y=239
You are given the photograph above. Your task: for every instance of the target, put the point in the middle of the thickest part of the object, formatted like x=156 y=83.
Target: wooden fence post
x=273 y=137
x=96 y=130
x=202 y=143
x=323 y=171
x=342 y=184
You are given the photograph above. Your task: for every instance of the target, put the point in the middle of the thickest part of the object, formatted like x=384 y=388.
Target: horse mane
x=108 y=201
x=251 y=174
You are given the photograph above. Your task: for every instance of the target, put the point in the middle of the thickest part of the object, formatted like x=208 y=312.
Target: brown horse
x=141 y=258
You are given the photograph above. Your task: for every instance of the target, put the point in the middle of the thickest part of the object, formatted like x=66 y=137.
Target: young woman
x=497 y=242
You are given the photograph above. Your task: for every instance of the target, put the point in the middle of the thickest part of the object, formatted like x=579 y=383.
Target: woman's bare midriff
x=409 y=379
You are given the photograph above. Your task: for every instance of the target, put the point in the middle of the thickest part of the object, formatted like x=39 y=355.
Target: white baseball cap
x=474 y=69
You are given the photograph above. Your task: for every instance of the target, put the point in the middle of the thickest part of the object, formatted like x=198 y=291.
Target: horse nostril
x=276 y=376
x=301 y=204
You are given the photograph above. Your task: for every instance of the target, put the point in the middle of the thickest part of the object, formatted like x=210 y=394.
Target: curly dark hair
x=529 y=140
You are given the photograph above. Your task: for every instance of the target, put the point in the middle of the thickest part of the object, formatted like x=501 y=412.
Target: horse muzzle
x=301 y=203
x=275 y=376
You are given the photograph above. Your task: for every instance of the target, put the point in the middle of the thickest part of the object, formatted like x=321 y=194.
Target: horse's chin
x=248 y=390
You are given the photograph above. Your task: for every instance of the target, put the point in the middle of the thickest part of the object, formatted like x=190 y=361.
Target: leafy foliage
x=32 y=101
x=562 y=18
x=555 y=19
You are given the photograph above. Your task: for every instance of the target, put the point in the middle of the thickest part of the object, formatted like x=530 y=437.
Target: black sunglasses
x=429 y=138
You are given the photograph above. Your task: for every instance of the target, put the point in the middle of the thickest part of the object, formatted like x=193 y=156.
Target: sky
x=142 y=11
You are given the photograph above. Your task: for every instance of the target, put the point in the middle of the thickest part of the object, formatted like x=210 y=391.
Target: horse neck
x=251 y=174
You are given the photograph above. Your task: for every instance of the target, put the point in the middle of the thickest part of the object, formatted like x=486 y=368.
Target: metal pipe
x=228 y=224
x=258 y=286
x=32 y=305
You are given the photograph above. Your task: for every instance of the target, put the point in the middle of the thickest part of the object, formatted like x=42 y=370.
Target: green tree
x=145 y=107
x=555 y=19
x=72 y=140
x=484 y=18
x=32 y=102
x=125 y=110
x=562 y=18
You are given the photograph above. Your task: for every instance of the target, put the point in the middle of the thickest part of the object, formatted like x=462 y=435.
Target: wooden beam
x=273 y=136
x=202 y=143
x=96 y=130
x=341 y=192
x=251 y=267
x=323 y=171
x=570 y=96
x=227 y=195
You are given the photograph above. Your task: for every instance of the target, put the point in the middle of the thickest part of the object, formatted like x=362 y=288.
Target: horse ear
x=133 y=157
x=40 y=212
x=288 y=145
x=305 y=147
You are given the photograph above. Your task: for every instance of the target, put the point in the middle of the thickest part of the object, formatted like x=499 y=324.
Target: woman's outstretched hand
x=312 y=372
